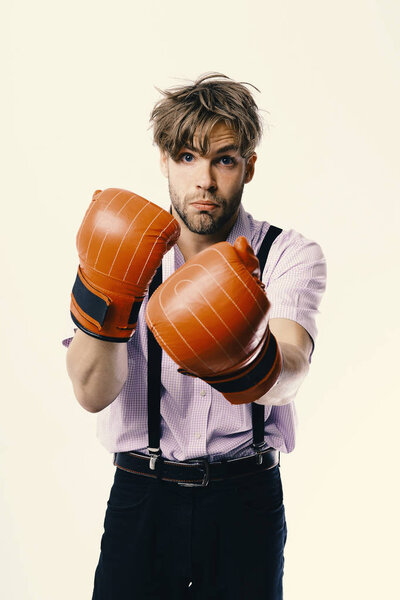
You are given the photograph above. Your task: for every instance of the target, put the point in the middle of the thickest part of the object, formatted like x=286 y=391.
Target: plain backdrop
x=77 y=89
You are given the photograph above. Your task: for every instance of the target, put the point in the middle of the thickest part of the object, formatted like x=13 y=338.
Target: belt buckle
x=206 y=476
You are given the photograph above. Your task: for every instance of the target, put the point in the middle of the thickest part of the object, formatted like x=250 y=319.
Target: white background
x=78 y=88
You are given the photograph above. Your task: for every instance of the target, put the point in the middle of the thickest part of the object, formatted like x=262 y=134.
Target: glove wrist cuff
x=254 y=381
x=95 y=313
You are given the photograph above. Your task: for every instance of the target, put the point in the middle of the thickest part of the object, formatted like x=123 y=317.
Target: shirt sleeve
x=69 y=336
x=295 y=280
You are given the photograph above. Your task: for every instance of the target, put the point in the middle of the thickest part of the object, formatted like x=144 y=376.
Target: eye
x=227 y=160
x=187 y=157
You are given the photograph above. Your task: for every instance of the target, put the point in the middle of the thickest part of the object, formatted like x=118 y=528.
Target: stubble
x=204 y=222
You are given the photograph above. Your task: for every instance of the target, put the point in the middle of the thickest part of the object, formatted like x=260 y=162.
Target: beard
x=204 y=222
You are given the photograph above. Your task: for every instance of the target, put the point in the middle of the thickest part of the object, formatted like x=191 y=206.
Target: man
x=197 y=513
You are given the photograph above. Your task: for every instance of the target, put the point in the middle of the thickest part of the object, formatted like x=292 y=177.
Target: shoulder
x=292 y=249
x=295 y=279
x=294 y=275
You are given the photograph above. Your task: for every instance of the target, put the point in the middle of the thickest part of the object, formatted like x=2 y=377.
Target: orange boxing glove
x=120 y=243
x=211 y=318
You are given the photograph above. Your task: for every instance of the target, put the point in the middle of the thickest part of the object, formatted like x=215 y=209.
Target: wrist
x=257 y=379
x=281 y=374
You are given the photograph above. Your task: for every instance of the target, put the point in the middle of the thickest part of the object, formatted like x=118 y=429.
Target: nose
x=205 y=179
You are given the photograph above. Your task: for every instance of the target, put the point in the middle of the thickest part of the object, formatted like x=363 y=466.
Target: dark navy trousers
x=163 y=541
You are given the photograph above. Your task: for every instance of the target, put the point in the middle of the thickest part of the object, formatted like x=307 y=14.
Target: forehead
x=220 y=136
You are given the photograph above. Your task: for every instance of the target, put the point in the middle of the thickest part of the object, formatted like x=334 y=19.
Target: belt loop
x=159 y=468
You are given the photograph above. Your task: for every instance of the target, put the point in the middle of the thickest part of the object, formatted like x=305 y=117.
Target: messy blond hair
x=189 y=110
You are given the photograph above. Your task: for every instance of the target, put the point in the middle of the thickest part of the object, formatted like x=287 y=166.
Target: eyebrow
x=229 y=148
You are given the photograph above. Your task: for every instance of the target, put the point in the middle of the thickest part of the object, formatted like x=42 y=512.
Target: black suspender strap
x=266 y=244
x=258 y=410
x=154 y=371
x=154 y=383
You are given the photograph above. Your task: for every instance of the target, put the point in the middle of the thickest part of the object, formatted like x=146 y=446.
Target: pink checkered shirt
x=196 y=420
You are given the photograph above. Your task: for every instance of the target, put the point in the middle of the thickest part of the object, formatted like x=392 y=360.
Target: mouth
x=204 y=205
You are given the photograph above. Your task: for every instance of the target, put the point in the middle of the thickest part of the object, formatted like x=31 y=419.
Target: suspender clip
x=154 y=454
x=259 y=449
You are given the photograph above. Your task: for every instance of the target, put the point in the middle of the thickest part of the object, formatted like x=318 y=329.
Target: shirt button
x=203 y=392
x=198 y=436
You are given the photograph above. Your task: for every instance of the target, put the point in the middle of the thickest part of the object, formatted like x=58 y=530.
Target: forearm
x=295 y=369
x=98 y=370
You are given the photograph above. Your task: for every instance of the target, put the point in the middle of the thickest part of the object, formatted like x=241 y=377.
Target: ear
x=164 y=163
x=250 y=167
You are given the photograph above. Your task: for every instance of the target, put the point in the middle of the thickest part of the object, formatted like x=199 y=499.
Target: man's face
x=206 y=190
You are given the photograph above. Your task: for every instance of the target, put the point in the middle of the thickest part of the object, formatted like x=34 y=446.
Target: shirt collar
x=242 y=226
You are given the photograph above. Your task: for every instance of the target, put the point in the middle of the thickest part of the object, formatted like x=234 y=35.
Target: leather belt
x=197 y=472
